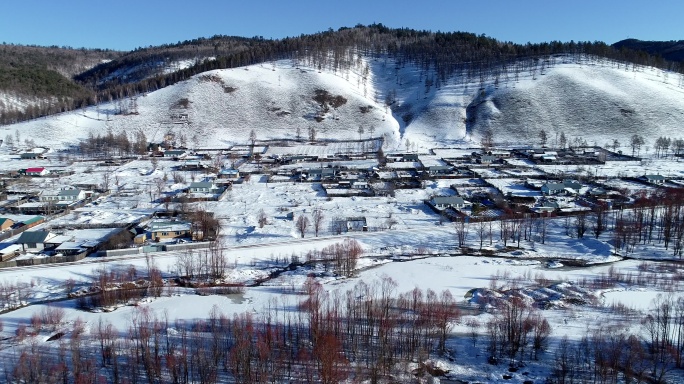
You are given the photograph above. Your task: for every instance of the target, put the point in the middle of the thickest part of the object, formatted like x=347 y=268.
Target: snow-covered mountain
x=596 y=100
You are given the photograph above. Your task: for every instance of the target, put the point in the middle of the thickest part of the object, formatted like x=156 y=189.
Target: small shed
x=5 y=223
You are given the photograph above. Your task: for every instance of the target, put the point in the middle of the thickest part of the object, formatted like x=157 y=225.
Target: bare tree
x=262 y=219
x=106 y=179
x=317 y=217
x=487 y=140
x=391 y=221
x=159 y=185
x=636 y=142
x=581 y=224
x=302 y=224
x=481 y=231
x=461 y=232
x=543 y=137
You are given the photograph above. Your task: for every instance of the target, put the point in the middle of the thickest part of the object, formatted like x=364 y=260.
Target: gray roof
x=71 y=245
x=202 y=184
x=69 y=192
x=572 y=184
x=168 y=226
x=655 y=177
x=554 y=186
x=448 y=200
x=31 y=237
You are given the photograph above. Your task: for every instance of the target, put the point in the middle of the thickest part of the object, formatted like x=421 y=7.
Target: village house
x=158 y=230
x=32 y=156
x=487 y=159
x=409 y=157
x=567 y=187
x=229 y=174
x=68 y=194
x=204 y=187
x=439 y=170
x=175 y=154
x=34 y=240
x=500 y=153
x=349 y=224
x=192 y=165
x=319 y=174
x=32 y=222
x=37 y=171
x=443 y=202
x=653 y=179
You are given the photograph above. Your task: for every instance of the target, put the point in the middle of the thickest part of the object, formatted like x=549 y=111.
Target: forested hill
x=39 y=81
x=668 y=50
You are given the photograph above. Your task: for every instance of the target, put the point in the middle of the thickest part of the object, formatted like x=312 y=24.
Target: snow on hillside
x=594 y=102
x=588 y=99
x=597 y=102
x=9 y=101
x=223 y=106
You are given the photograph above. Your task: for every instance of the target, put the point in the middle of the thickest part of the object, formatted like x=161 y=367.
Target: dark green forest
x=61 y=79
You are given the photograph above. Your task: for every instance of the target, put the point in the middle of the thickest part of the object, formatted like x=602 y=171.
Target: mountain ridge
x=672 y=50
x=152 y=68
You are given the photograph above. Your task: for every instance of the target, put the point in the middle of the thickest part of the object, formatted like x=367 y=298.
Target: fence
x=42 y=260
x=158 y=248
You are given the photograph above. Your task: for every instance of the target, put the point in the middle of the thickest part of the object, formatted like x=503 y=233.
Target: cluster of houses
x=53 y=201
x=340 y=175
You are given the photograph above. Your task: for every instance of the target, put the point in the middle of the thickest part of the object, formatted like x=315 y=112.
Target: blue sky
x=126 y=24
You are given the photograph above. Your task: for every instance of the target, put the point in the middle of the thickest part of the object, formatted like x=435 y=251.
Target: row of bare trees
x=359 y=334
x=655 y=219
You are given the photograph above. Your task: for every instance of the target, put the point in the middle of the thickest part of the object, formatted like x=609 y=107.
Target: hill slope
x=33 y=76
x=592 y=100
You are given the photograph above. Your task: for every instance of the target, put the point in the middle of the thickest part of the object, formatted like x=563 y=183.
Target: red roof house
x=38 y=171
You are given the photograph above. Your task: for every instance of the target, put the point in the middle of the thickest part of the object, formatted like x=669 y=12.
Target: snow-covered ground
x=406 y=240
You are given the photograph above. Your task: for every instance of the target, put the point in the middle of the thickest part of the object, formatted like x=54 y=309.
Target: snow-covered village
x=292 y=221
